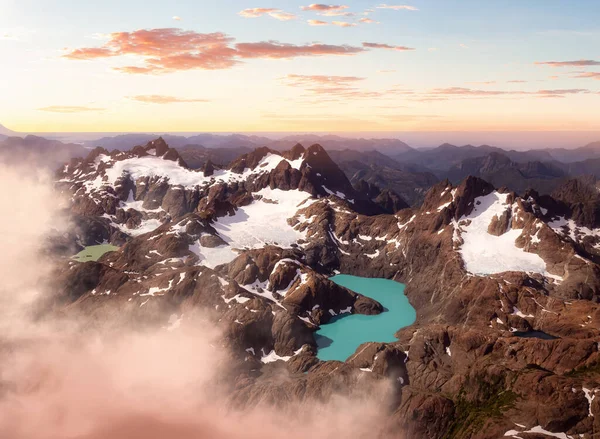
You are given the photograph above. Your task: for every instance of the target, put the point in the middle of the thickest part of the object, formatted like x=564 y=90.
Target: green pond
x=93 y=252
x=338 y=339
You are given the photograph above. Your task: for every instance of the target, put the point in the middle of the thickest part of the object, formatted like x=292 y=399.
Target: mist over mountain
x=5 y=132
x=38 y=151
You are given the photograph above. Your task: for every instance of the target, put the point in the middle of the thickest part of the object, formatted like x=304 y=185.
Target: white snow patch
x=373 y=255
x=485 y=254
x=272 y=356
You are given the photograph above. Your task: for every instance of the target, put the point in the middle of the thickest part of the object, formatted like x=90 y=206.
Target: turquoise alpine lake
x=339 y=338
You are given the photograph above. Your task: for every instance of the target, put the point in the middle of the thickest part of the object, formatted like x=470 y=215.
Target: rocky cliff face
x=506 y=288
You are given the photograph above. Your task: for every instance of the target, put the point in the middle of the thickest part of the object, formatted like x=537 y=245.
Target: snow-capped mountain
x=255 y=242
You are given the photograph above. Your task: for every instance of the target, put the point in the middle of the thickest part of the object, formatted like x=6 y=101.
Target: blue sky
x=481 y=48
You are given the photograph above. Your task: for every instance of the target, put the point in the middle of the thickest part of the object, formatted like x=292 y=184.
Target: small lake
x=339 y=338
x=93 y=252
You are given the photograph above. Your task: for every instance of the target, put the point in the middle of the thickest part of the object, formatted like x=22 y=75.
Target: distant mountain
x=589 y=151
x=501 y=171
x=409 y=181
x=446 y=156
x=38 y=151
x=229 y=140
x=330 y=142
x=125 y=142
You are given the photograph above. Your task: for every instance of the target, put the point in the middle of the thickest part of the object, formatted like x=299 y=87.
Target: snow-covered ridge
x=176 y=175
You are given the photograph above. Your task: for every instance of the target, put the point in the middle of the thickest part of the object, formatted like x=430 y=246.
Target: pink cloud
x=90 y=53
x=256 y=12
x=337 y=88
x=168 y=50
x=283 y=16
x=368 y=20
x=386 y=46
x=589 y=75
x=322 y=7
x=397 y=7
x=317 y=23
x=579 y=63
x=462 y=92
x=275 y=49
x=343 y=24
x=293 y=79
x=337 y=14
x=271 y=12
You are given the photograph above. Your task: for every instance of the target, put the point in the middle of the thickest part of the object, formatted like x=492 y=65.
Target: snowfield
x=485 y=254
x=261 y=223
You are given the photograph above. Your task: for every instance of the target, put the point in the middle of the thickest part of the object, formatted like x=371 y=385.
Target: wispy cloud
x=319 y=7
x=168 y=50
x=317 y=23
x=579 y=63
x=69 y=109
x=386 y=47
x=162 y=99
x=397 y=7
x=275 y=49
x=339 y=88
x=176 y=18
x=337 y=14
x=368 y=21
x=516 y=81
x=343 y=24
x=465 y=93
x=464 y=46
x=256 y=12
x=271 y=12
x=587 y=75
x=283 y=16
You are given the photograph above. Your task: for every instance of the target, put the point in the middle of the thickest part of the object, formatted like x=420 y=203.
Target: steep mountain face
x=583 y=200
x=506 y=288
x=38 y=151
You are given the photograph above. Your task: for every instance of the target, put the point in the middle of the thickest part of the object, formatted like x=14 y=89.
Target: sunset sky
x=263 y=65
